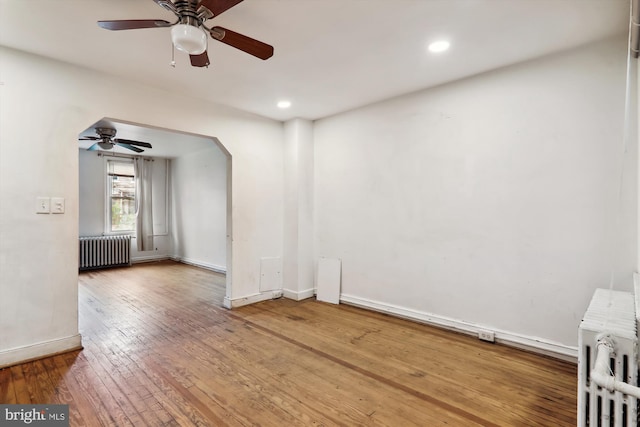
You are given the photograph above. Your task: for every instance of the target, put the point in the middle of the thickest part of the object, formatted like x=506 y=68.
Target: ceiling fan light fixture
x=189 y=39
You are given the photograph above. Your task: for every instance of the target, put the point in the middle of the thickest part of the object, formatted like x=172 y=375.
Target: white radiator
x=104 y=251
x=611 y=317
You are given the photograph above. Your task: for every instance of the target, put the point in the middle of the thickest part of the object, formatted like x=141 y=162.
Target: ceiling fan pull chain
x=173 y=56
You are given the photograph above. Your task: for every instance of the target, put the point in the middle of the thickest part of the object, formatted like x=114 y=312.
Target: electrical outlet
x=489 y=336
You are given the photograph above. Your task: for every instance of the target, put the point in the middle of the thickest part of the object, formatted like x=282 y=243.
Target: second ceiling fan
x=106 y=140
x=189 y=34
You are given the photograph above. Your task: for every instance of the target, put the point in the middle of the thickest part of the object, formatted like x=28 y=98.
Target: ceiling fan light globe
x=105 y=145
x=189 y=39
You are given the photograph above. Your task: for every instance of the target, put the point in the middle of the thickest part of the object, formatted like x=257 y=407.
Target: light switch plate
x=43 y=205
x=57 y=205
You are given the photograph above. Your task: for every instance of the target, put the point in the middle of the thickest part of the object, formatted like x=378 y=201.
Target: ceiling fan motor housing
x=106 y=132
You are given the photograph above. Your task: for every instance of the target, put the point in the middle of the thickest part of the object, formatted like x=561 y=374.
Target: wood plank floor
x=160 y=351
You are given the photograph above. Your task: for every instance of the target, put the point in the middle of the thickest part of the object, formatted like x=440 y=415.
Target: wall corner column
x=297 y=260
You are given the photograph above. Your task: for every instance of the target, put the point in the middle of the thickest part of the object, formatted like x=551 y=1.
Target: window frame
x=108 y=224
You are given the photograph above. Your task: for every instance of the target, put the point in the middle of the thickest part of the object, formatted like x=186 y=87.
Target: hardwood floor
x=159 y=350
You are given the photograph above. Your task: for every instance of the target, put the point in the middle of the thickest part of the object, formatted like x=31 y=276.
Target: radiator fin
x=104 y=251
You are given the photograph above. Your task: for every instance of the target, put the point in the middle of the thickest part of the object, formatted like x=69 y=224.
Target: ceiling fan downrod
x=187 y=11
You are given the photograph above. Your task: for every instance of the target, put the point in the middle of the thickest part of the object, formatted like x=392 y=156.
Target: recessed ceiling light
x=439 y=46
x=284 y=104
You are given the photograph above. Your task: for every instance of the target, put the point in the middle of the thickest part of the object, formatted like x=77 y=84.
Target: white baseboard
x=196 y=263
x=251 y=299
x=39 y=350
x=298 y=295
x=538 y=345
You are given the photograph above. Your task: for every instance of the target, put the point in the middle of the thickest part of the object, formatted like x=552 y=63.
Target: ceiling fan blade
x=201 y=60
x=94 y=147
x=130 y=142
x=219 y=6
x=132 y=24
x=129 y=147
x=246 y=44
x=89 y=138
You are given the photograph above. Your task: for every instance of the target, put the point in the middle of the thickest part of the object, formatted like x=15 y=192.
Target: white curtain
x=144 y=212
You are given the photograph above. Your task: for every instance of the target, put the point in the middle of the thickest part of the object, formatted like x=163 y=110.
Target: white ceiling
x=330 y=55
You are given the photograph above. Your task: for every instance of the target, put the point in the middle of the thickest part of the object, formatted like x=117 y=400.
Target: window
x=121 y=190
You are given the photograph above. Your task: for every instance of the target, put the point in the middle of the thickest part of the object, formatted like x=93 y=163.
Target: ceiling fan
x=106 y=140
x=189 y=34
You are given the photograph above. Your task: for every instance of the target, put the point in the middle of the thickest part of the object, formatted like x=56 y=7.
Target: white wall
x=43 y=107
x=635 y=114
x=199 y=208
x=488 y=202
